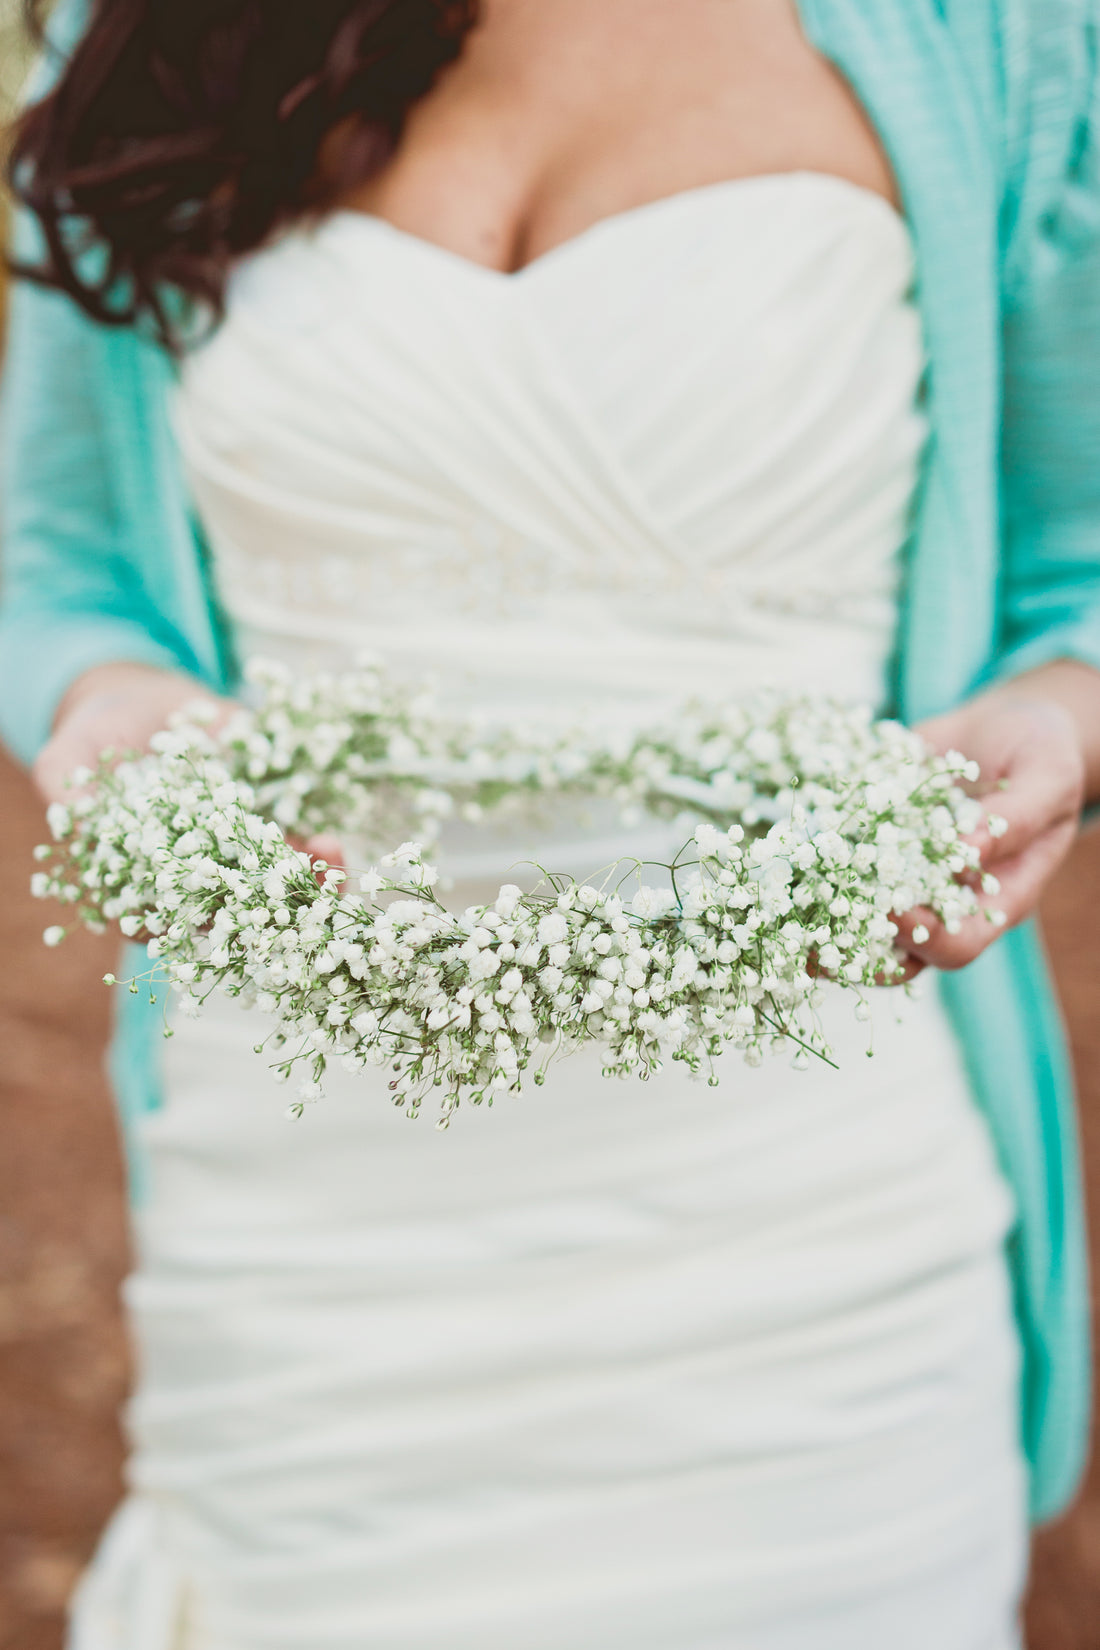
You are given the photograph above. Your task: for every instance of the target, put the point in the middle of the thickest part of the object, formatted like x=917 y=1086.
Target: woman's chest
x=557 y=116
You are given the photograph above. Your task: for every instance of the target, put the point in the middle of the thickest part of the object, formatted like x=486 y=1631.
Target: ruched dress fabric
x=610 y=1366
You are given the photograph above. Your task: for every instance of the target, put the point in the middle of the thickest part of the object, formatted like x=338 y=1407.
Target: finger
x=325 y=846
x=53 y=770
x=926 y=939
x=1041 y=793
x=1021 y=882
x=909 y=970
x=915 y=929
x=954 y=951
x=326 y=853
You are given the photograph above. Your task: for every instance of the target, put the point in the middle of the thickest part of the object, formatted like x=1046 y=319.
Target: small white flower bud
x=59 y=819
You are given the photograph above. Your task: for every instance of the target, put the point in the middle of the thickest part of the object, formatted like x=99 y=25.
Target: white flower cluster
x=816 y=824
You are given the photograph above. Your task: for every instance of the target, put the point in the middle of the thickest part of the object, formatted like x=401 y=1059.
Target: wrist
x=1069 y=691
x=108 y=683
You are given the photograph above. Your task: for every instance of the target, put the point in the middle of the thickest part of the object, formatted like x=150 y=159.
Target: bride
x=585 y=356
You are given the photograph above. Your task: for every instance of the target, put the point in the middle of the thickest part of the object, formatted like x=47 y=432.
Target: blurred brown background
x=63 y=1359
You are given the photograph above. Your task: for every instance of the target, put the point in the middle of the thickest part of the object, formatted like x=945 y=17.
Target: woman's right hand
x=119 y=707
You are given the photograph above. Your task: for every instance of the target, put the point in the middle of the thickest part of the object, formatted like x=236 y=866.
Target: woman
x=572 y=352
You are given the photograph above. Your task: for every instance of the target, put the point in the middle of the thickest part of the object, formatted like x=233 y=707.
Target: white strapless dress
x=612 y=1366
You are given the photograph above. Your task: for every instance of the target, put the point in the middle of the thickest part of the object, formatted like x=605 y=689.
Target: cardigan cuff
x=1079 y=640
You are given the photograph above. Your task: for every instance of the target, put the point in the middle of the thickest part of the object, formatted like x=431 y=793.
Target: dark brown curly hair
x=182 y=133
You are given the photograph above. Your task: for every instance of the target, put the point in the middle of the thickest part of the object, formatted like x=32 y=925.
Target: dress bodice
x=674 y=456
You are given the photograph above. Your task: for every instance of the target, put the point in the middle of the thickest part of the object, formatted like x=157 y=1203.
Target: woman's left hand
x=1034 y=773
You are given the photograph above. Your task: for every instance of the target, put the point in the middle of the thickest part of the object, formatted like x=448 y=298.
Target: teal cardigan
x=990 y=112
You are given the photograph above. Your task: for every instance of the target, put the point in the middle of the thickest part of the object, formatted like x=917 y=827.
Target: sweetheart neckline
x=630 y=216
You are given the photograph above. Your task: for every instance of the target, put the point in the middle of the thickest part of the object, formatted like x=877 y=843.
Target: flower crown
x=812 y=824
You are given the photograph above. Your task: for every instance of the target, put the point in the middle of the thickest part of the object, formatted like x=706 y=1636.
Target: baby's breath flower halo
x=812 y=824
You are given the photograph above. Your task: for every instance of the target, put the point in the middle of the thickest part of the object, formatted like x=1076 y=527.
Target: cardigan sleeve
x=70 y=596
x=1050 y=589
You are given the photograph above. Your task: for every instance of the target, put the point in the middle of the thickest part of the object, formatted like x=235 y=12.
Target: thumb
x=328 y=847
